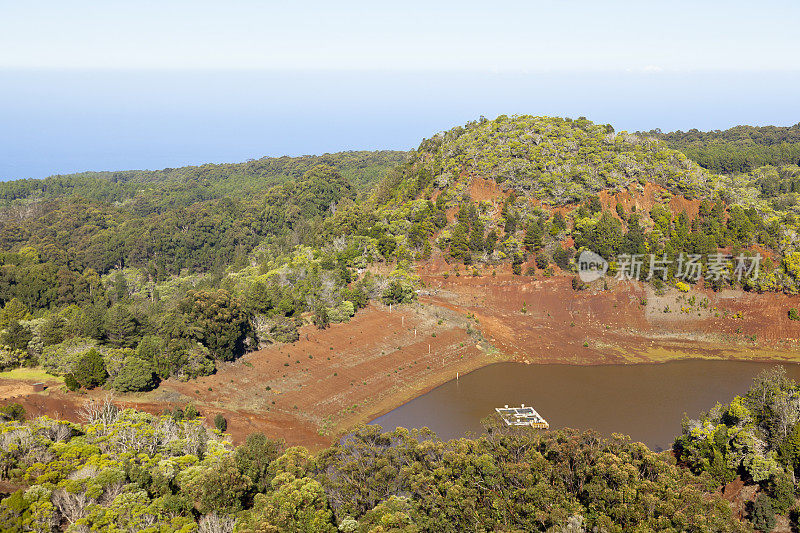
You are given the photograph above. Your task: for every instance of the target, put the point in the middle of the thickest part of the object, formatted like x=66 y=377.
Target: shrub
x=90 y=371
x=71 y=383
x=763 y=516
x=321 y=319
x=542 y=261
x=284 y=330
x=793 y=314
x=12 y=411
x=220 y=423
x=135 y=375
x=191 y=412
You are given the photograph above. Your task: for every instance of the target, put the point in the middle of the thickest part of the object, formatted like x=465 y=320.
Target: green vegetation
x=755 y=437
x=739 y=149
x=123 y=279
x=131 y=471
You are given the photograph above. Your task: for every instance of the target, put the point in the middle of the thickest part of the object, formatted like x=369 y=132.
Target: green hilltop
x=555 y=160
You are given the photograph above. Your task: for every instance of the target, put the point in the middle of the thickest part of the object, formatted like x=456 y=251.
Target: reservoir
x=645 y=401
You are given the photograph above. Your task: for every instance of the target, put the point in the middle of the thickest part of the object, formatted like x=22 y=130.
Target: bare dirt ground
x=314 y=390
x=543 y=320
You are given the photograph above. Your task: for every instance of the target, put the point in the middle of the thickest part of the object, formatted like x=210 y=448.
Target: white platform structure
x=522 y=416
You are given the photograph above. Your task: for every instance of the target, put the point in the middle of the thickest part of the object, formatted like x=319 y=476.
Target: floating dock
x=522 y=416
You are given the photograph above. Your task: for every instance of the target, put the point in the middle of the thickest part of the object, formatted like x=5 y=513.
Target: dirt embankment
x=546 y=321
x=311 y=391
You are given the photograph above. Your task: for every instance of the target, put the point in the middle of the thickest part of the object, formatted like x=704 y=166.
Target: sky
x=120 y=84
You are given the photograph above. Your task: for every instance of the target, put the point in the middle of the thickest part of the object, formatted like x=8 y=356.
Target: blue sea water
x=62 y=121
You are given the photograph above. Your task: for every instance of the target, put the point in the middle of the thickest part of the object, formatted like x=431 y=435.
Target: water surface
x=646 y=401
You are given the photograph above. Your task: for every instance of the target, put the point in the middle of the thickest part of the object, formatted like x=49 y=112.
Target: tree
x=150 y=349
x=254 y=457
x=559 y=224
x=90 y=371
x=533 y=236
x=13 y=310
x=52 y=330
x=16 y=336
x=394 y=293
x=763 y=516
x=459 y=244
x=781 y=491
x=491 y=241
x=220 y=488
x=135 y=375
x=298 y=505
x=562 y=257
x=218 y=321
x=120 y=326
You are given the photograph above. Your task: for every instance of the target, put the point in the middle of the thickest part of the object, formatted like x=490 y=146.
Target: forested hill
x=738 y=149
x=556 y=160
x=185 y=185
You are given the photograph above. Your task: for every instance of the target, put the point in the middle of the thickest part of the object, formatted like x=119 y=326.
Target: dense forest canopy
x=556 y=160
x=130 y=471
x=174 y=187
x=164 y=273
x=738 y=149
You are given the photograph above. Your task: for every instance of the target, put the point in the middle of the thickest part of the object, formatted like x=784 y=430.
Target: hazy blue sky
x=123 y=84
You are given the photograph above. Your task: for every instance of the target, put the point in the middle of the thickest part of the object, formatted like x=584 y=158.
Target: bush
x=793 y=314
x=12 y=411
x=285 y=330
x=541 y=261
x=763 y=516
x=63 y=358
x=220 y=423
x=90 y=371
x=135 y=375
x=191 y=412
x=562 y=257
x=321 y=319
x=71 y=383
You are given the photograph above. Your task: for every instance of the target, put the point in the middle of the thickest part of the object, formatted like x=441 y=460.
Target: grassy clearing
x=35 y=374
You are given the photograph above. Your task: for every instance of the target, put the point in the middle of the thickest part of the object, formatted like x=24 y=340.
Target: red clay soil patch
x=330 y=380
x=310 y=392
x=482 y=189
x=546 y=321
x=645 y=199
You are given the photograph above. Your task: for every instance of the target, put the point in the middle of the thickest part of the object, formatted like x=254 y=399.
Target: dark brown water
x=645 y=401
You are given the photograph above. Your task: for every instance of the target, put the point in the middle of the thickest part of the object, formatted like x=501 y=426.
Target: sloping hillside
x=552 y=159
